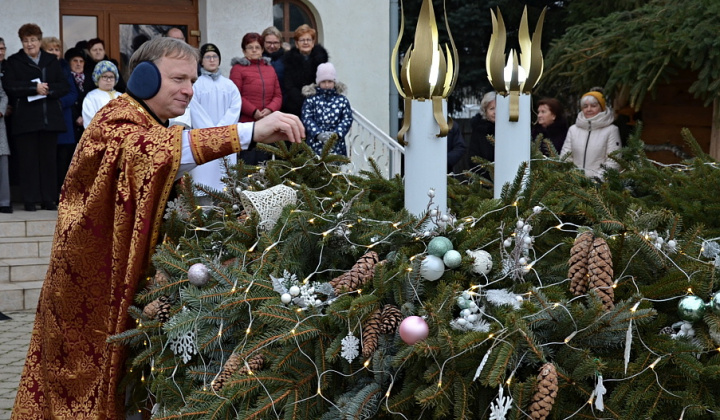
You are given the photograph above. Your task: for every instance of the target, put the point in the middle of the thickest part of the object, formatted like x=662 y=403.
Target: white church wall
x=44 y=13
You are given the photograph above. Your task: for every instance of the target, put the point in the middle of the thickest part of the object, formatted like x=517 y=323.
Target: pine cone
x=666 y=331
x=231 y=366
x=371 y=331
x=161 y=279
x=158 y=309
x=547 y=388
x=255 y=364
x=390 y=319
x=360 y=273
x=600 y=268
x=577 y=273
x=243 y=216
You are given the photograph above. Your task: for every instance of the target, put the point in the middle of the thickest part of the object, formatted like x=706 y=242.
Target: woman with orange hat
x=593 y=136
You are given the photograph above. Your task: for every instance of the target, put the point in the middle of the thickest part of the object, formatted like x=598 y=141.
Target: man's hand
x=279 y=126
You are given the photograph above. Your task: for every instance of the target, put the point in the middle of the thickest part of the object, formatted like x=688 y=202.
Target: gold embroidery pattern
x=208 y=144
x=108 y=222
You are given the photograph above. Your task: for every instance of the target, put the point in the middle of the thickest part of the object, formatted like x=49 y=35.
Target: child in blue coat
x=326 y=110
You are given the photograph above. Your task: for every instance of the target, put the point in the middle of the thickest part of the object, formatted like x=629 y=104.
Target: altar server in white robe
x=216 y=102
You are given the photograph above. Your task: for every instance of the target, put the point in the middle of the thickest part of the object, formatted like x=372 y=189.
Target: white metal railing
x=365 y=140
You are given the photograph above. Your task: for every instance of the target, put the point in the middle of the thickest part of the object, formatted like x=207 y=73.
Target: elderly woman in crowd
x=259 y=87
x=272 y=48
x=301 y=64
x=65 y=140
x=483 y=125
x=551 y=124
x=35 y=82
x=593 y=136
x=96 y=48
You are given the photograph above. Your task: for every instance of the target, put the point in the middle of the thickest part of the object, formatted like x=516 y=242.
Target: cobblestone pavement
x=14 y=341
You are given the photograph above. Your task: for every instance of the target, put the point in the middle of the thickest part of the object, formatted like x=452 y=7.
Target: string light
x=652 y=366
x=634 y=308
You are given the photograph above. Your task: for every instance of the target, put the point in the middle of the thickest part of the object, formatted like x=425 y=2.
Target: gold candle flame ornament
x=508 y=80
x=426 y=72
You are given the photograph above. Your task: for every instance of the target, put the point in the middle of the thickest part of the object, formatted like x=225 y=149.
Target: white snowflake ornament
x=350 y=348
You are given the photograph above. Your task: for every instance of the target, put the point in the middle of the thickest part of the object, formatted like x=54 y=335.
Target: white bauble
x=482 y=261
x=432 y=268
x=507 y=243
x=286 y=298
x=294 y=291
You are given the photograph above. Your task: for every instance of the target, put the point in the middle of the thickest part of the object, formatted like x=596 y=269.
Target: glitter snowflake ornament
x=350 y=348
x=500 y=407
x=184 y=346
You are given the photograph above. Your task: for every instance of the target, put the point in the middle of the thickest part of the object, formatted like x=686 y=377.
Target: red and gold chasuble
x=108 y=221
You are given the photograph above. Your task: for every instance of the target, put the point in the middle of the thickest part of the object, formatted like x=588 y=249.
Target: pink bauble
x=413 y=329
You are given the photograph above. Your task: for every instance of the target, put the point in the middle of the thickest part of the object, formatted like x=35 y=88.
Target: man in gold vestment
x=110 y=211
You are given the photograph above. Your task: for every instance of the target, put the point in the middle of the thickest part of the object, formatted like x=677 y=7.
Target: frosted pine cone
x=578 y=271
x=600 y=268
x=360 y=273
x=546 y=392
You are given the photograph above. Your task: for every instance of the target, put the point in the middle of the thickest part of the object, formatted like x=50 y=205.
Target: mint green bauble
x=715 y=303
x=439 y=245
x=452 y=259
x=691 y=308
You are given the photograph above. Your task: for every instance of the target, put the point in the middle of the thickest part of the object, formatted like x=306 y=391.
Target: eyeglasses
x=108 y=78
x=305 y=40
x=211 y=57
x=272 y=43
x=29 y=40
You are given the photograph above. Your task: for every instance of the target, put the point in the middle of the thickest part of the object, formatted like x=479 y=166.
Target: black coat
x=455 y=146
x=555 y=132
x=300 y=71
x=43 y=114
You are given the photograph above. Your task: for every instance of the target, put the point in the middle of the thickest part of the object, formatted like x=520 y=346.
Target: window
x=288 y=15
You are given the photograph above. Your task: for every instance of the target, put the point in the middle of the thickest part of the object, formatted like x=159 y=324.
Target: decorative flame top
x=531 y=58
x=426 y=71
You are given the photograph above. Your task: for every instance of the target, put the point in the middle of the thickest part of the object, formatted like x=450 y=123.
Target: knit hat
x=102 y=67
x=597 y=95
x=210 y=48
x=74 y=52
x=325 y=71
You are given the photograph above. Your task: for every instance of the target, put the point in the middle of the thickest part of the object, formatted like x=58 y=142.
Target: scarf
x=212 y=75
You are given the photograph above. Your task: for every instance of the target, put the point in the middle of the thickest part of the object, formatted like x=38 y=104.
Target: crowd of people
x=588 y=143
x=51 y=97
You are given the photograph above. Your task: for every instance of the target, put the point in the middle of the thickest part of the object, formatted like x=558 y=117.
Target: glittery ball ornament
x=691 y=308
x=413 y=329
x=452 y=259
x=198 y=274
x=432 y=268
x=439 y=245
x=482 y=261
x=715 y=303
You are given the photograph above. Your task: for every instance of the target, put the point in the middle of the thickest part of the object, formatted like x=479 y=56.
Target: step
x=24 y=223
x=16 y=297
x=25 y=247
x=21 y=270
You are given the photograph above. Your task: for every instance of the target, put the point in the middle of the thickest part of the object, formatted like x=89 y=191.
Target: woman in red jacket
x=258 y=85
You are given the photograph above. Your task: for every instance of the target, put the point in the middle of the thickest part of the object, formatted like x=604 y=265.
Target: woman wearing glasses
x=35 y=82
x=301 y=64
x=259 y=88
x=105 y=77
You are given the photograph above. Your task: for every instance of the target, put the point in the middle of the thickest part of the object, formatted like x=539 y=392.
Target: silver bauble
x=198 y=274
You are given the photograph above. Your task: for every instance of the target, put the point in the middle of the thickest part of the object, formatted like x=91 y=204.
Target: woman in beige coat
x=593 y=136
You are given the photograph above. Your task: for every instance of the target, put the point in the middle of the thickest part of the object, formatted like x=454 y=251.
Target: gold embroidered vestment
x=108 y=220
